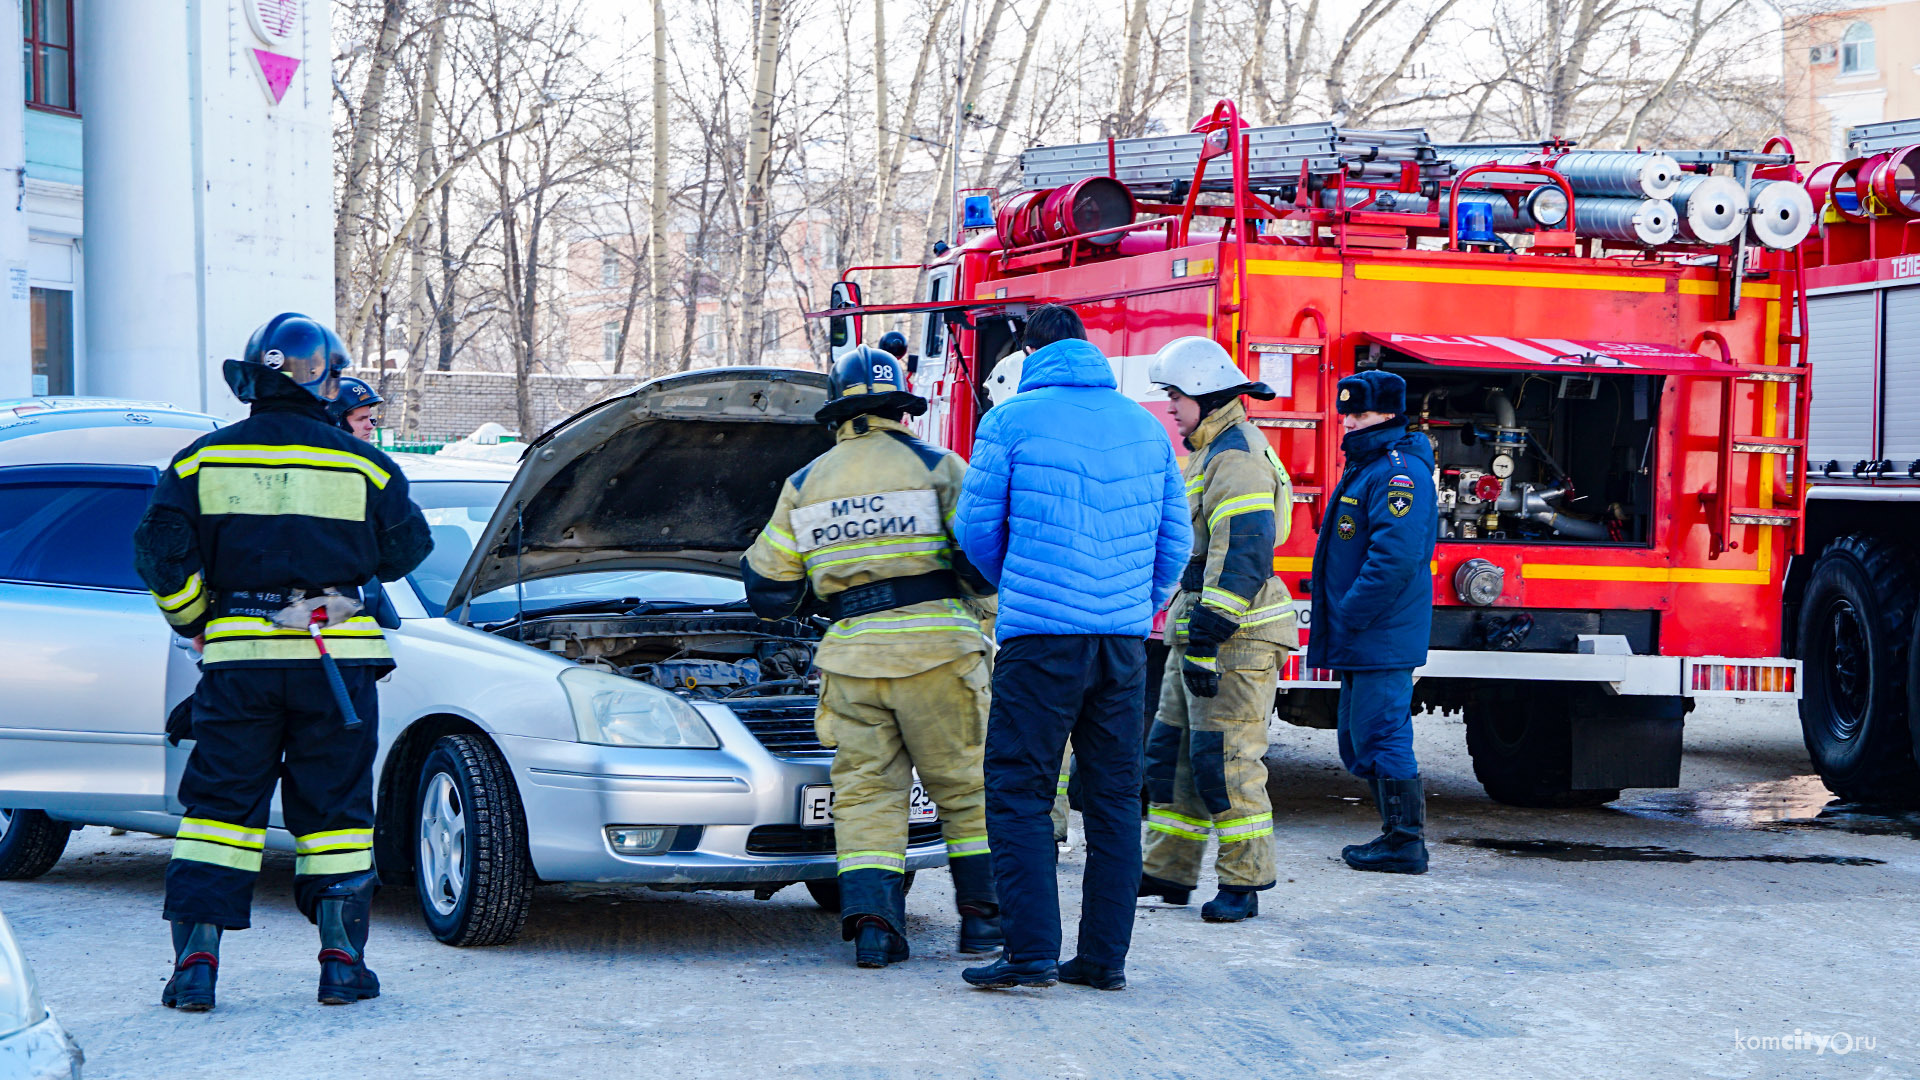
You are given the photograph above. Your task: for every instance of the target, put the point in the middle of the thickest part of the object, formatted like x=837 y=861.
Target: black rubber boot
x=1380 y=807
x=1231 y=906
x=1401 y=847
x=873 y=909
x=1168 y=891
x=1084 y=973
x=196 y=966
x=978 y=903
x=342 y=913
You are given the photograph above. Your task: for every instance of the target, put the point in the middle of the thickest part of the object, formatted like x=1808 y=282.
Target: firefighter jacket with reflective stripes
x=877 y=506
x=280 y=501
x=1242 y=505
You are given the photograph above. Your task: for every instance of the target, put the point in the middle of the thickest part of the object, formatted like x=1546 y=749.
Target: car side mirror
x=374 y=599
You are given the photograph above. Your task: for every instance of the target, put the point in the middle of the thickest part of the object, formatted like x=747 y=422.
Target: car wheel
x=826 y=891
x=1522 y=750
x=30 y=843
x=471 y=869
x=1856 y=626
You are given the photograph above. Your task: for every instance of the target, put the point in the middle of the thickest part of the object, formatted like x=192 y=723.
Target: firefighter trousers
x=253 y=727
x=1205 y=773
x=883 y=731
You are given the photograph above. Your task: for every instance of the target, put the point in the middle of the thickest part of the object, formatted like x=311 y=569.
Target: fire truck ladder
x=1787 y=506
x=1165 y=164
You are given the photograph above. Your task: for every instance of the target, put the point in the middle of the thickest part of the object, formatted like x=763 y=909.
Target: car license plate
x=816 y=805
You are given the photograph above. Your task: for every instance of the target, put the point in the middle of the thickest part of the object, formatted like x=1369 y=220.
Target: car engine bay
x=703 y=655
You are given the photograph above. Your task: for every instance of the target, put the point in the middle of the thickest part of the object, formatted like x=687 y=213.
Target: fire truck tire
x=1855 y=642
x=1522 y=749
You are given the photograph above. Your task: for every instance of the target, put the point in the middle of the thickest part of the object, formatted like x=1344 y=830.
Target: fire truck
x=1602 y=346
x=1850 y=601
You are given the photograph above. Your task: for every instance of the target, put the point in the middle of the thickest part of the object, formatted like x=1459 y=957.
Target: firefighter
x=1229 y=627
x=357 y=409
x=904 y=667
x=1373 y=608
x=253 y=532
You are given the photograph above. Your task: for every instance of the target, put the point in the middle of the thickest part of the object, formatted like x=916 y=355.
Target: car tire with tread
x=1522 y=749
x=1855 y=640
x=30 y=843
x=488 y=903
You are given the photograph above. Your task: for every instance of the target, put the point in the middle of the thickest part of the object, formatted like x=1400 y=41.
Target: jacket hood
x=678 y=473
x=1070 y=362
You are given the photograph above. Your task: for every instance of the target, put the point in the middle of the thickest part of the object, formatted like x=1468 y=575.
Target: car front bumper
x=43 y=1051
x=572 y=791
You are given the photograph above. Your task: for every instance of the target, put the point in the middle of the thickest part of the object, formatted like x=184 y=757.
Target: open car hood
x=678 y=473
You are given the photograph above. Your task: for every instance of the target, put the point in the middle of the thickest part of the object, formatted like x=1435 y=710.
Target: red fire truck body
x=1619 y=444
x=1850 y=601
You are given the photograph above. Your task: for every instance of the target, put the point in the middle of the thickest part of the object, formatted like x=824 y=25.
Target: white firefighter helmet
x=1198 y=366
x=1004 y=380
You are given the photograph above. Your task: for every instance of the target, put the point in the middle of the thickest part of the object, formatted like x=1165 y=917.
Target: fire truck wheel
x=1855 y=643
x=1522 y=749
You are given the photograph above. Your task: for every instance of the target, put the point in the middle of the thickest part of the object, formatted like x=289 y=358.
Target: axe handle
x=334 y=681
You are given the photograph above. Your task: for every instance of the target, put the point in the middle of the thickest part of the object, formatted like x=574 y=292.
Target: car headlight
x=20 y=1006
x=615 y=711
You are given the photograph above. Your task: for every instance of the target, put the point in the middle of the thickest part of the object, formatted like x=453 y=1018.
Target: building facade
x=176 y=191
x=1858 y=65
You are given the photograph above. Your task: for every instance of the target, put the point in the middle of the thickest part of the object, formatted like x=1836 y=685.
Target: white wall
x=16 y=355
x=208 y=206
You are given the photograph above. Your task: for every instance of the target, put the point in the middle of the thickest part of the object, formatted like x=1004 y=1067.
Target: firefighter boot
x=978 y=902
x=342 y=912
x=1401 y=847
x=1232 y=905
x=1170 y=892
x=196 y=964
x=1373 y=788
x=873 y=910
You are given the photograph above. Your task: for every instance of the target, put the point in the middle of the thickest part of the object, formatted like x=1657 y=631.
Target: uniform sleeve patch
x=1400 y=480
x=1345 y=527
x=1398 y=503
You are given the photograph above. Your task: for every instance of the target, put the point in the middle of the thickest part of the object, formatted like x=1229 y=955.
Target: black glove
x=1205 y=626
x=1201 y=672
x=180 y=721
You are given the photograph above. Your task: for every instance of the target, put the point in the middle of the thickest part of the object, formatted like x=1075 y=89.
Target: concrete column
x=16 y=322
x=143 y=308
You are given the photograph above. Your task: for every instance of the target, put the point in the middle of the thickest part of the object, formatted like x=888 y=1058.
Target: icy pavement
x=1542 y=944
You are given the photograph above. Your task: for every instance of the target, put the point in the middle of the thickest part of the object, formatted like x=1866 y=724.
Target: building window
x=610 y=342
x=52 y=342
x=609 y=267
x=710 y=333
x=47 y=29
x=1856 y=50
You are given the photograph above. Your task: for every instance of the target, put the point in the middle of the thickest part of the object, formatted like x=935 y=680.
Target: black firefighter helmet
x=865 y=381
x=306 y=355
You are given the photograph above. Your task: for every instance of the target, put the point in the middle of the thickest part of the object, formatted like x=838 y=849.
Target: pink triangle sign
x=277 y=71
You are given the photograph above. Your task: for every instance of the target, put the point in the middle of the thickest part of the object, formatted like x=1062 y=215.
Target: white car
x=581 y=693
x=33 y=1045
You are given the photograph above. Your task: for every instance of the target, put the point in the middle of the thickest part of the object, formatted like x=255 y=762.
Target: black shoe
x=1085 y=973
x=875 y=945
x=342 y=912
x=196 y=967
x=1003 y=974
x=1177 y=895
x=1231 y=906
x=1401 y=847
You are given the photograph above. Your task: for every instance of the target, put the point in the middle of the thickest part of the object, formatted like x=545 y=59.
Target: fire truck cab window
x=939 y=287
x=1539 y=457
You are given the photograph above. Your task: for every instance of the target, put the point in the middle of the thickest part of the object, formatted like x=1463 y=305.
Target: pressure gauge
x=1501 y=466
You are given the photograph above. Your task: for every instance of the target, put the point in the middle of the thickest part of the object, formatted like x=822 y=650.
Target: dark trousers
x=1047 y=688
x=252 y=728
x=1376 y=724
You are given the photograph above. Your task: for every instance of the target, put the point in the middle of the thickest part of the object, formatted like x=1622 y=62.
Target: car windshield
x=457 y=512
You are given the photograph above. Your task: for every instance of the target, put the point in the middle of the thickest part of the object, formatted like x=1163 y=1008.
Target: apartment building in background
x=1854 y=65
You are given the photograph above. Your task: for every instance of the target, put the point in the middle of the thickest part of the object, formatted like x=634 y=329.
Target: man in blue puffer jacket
x=1075 y=508
x=1373 y=608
